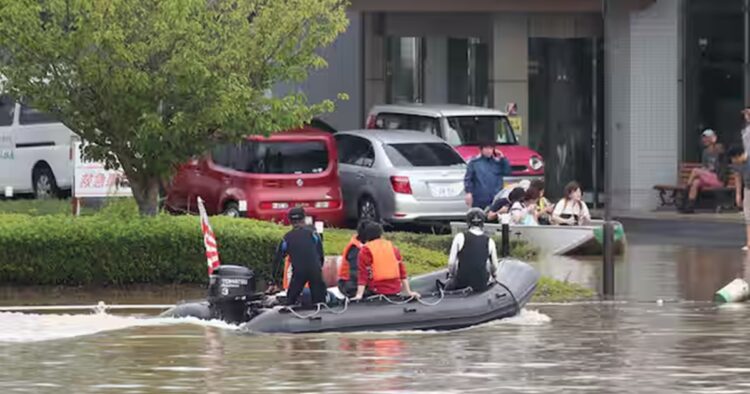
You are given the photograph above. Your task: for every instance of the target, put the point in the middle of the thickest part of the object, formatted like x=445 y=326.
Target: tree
x=152 y=83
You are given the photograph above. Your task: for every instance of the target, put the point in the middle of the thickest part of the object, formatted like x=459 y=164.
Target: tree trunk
x=146 y=193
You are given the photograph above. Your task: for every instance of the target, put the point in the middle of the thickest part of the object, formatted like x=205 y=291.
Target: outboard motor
x=231 y=288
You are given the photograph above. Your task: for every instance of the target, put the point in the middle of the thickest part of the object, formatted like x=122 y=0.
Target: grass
x=435 y=247
x=50 y=206
x=552 y=290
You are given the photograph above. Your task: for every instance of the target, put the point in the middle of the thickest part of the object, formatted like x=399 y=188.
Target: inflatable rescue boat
x=232 y=298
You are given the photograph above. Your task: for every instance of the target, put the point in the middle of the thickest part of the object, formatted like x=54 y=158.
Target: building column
x=642 y=100
x=654 y=100
x=617 y=100
x=436 y=70
x=374 y=60
x=509 y=75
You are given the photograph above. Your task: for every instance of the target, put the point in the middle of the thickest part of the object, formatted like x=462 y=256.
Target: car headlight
x=536 y=163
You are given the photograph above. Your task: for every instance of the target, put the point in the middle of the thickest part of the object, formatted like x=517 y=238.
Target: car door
x=356 y=159
x=347 y=173
x=7 y=142
x=362 y=161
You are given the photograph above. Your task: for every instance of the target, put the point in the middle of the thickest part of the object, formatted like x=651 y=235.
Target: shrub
x=117 y=246
x=121 y=248
x=443 y=243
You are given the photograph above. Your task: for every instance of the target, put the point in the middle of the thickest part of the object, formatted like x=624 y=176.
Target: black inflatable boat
x=232 y=298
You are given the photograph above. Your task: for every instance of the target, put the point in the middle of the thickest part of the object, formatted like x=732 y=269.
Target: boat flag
x=209 y=240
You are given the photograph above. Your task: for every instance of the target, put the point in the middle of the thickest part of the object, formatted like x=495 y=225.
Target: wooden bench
x=674 y=195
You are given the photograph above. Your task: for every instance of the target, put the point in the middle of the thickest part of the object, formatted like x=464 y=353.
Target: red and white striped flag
x=209 y=240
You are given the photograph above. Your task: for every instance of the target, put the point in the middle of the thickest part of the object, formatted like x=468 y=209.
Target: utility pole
x=608 y=269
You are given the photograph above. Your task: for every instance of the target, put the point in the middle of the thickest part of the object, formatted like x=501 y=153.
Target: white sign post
x=92 y=180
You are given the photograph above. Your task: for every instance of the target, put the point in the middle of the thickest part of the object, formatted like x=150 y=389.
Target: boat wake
x=527 y=317
x=18 y=327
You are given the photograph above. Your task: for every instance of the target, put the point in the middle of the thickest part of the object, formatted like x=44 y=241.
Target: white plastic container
x=736 y=291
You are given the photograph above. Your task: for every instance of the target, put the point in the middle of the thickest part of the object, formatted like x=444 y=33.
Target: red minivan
x=268 y=175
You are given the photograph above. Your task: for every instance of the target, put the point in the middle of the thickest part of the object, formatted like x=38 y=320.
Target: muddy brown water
x=662 y=335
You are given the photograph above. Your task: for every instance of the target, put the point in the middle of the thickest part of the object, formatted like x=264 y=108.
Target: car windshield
x=257 y=157
x=423 y=155
x=472 y=130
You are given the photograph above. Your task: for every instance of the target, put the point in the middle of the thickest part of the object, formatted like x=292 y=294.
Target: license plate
x=446 y=190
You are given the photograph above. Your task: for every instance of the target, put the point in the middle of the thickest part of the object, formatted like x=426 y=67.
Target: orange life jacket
x=384 y=262
x=287 y=276
x=344 y=268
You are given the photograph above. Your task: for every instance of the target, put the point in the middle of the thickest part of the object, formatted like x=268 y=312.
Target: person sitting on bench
x=708 y=175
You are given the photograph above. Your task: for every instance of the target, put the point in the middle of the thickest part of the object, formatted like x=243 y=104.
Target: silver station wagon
x=400 y=176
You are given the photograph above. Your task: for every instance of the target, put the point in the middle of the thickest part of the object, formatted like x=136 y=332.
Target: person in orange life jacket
x=381 y=269
x=305 y=250
x=473 y=256
x=349 y=268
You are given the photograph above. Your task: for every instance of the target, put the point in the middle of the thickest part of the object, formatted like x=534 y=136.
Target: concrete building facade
x=577 y=70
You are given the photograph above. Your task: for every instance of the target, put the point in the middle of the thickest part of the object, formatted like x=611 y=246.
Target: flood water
x=661 y=335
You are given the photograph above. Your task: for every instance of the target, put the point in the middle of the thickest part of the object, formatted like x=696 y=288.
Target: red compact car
x=265 y=176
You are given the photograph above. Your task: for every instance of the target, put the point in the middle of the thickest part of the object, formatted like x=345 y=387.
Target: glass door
x=565 y=112
x=715 y=53
x=405 y=69
x=468 y=72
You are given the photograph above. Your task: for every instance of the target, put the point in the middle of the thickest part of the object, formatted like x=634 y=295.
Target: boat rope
x=318 y=309
x=408 y=300
x=383 y=297
x=342 y=310
x=423 y=302
x=301 y=316
x=515 y=301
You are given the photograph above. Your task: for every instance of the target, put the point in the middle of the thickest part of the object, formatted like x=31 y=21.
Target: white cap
x=524 y=184
x=708 y=133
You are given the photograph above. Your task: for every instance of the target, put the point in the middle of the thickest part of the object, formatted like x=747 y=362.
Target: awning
x=562 y=6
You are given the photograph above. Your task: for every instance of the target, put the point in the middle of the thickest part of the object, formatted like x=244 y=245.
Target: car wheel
x=44 y=183
x=232 y=209
x=368 y=209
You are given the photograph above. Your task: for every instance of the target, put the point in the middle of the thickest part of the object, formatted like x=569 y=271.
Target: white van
x=36 y=154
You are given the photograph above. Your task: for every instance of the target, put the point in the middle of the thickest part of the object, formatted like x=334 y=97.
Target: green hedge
x=118 y=248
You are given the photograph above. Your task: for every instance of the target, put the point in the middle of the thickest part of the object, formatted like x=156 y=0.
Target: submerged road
x=684 y=232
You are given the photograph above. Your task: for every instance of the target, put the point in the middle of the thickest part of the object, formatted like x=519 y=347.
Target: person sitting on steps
x=473 y=256
x=571 y=210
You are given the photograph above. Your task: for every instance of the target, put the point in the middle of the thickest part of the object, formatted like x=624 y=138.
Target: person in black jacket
x=305 y=250
x=473 y=256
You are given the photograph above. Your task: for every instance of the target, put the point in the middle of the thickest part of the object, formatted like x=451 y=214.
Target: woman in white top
x=571 y=210
x=525 y=213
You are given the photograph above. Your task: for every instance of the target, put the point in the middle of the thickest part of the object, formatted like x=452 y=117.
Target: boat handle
x=316 y=318
x=410 y=310
x=500 y=295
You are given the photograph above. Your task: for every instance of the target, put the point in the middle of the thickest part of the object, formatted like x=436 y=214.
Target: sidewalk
x=672 y=215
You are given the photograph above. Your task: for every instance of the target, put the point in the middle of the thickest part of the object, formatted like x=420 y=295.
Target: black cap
x=373 y=231
x=362 y=230
x=486 y=144
x=297 y=214
x=475 y=217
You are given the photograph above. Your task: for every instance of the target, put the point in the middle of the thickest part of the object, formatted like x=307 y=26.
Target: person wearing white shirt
x=525 y=212
x=746 y=129
x=473 y=256
x=571 y=210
